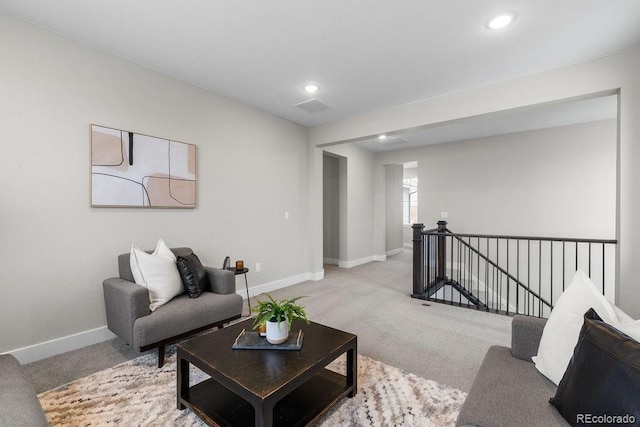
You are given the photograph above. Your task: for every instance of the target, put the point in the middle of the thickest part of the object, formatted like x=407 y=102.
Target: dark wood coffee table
x=266 y=387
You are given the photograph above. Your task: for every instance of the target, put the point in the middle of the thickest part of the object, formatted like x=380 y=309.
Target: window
x=410 y=201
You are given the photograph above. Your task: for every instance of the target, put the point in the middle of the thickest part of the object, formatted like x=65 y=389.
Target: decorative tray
x=253 y=341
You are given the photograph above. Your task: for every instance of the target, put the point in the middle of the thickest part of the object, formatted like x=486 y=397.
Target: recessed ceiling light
x=382 y=137
x=501 y=21
x=311 y=88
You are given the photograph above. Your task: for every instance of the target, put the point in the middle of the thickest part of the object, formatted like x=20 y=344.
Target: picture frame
x=130 y=169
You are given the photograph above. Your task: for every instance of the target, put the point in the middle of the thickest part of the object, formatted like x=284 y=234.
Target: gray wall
x=393 y=208
x=558 y=182
x=407 y=233
x=331 y=209
x=606 y=75
x=552 y=182
x=56 y=250
x=358 y=201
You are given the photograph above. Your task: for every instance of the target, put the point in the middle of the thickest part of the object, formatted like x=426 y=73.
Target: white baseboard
x=365 y=260
x=61 y=345
x=318 y=275
x=393 y=252
x=279 y=284
x=408 y=245
x=82 y=339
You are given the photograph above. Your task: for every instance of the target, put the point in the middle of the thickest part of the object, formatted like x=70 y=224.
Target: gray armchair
x=129 y=316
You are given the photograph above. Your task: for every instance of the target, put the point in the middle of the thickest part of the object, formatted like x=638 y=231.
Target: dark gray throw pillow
x=601 y=385
x=194 y=277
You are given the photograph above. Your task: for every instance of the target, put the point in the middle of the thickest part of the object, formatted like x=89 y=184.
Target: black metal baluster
x=451 y=270
x=518 y=275
x=589 y=259
x=551 y=269
x=465 y=273
x=428 y=269
x=528 y=271
x=563 y=265
x=603 y=266
x=496 y=277
x=470 y=270
x=499 y=306
x=508 y=278
x=540 y=266
x=478 y=271
x=486 y=278
x=460 y=273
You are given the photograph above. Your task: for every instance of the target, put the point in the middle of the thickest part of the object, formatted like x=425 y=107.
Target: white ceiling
x=505 y=122
x=364 y=54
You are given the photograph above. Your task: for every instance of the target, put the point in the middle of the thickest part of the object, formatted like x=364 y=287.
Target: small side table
x=246 y=285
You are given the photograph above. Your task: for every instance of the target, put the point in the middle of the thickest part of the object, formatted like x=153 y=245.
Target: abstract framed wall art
x=133 y=170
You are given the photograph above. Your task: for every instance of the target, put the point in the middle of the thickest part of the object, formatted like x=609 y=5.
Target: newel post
x=442 y=250
x=418 y=259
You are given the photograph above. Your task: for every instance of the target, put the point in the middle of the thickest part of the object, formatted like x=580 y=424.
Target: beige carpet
x=138 y=393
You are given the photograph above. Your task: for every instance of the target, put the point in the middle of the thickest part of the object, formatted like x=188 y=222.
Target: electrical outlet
x=444 y=215
x=286 y=214
x=258 y=267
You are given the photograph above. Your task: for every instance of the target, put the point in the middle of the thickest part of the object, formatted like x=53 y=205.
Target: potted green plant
x=278 y=316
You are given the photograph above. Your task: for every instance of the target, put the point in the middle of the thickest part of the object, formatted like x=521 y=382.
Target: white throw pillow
x=627 y=325
x=161 y=250
x=630 y=328
x=622 y=316
x=561 y=332
x=157 y=272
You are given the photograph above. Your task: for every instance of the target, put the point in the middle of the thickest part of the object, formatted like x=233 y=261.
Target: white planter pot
x=277 y=334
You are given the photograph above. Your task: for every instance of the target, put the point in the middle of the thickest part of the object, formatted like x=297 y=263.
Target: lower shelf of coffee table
x=217 y=405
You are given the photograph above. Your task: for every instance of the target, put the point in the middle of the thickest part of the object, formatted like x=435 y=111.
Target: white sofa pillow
x=627 y=325
x=561 y=332
x=161 y=250
x=622 y=316
x=157 y=272
x=630 y=328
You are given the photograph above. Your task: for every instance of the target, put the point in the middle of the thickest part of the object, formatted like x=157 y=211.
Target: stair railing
x=505 y=274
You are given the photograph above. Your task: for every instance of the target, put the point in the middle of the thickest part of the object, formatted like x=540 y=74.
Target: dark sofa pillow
x=194 y=277
x=601 y=385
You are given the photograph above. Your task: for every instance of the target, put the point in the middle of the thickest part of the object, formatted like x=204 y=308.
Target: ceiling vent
x=391 y=141
x=313 y=106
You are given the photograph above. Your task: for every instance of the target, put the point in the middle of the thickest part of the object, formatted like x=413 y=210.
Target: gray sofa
x=508 y=390
x=129 y=316
x=19 y=404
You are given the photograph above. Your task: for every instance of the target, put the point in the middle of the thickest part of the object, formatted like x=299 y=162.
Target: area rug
x=137 y=393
